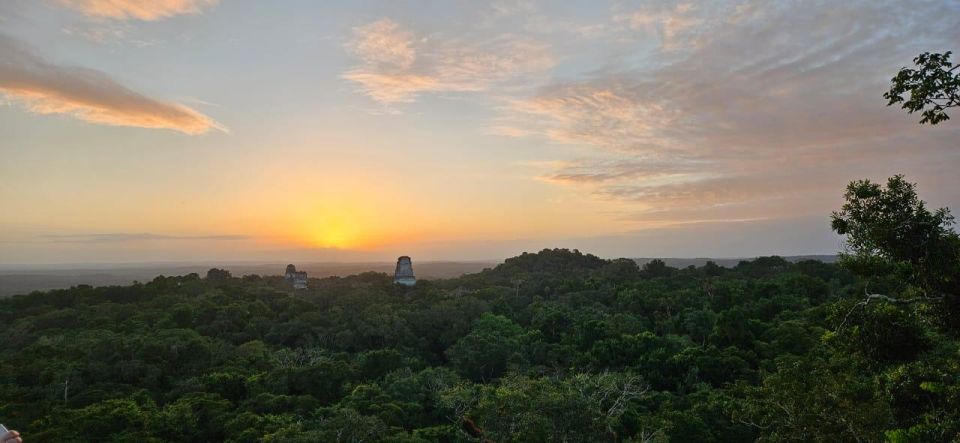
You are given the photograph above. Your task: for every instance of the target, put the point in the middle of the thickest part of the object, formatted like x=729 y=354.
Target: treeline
x=553 y=346
x=546 y=347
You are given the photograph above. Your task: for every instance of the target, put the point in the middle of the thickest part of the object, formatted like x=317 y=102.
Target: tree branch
x=898 y=301
x=868 y=297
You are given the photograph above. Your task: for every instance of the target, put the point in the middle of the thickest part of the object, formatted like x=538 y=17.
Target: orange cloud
x=391 y=88
x=147 y=10
x=383 y=43
x=87 y=94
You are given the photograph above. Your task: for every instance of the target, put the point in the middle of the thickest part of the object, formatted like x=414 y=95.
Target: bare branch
x=868 y=297
x=900 y=301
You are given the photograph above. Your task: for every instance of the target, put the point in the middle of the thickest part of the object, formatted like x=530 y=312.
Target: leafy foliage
x=934 y=84
x=583 y=350
x=901 y=246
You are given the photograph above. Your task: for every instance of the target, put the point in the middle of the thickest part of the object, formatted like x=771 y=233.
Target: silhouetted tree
x=934 y=84
x=656 y=268
x=216 y=274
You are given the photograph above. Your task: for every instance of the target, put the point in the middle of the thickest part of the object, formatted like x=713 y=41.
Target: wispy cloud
x=624 y=169
x=757 y=112
x=611 y=114
x=43 y=87
x=132 y=237
x=146 y=10
x=396 y=65
x=512 y=7
x=674 y=25
x=100 y=33
x=111 y=33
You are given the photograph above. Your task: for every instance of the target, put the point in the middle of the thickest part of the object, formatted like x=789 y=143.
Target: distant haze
x=25 y=279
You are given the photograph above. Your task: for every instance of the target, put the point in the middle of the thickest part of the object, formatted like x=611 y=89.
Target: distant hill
x=729 y=262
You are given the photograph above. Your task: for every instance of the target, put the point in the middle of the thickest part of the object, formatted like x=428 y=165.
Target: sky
x=232 y=130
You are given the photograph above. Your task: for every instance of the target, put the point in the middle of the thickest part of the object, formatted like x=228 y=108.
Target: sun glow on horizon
x=362 y=217
x=337 y=231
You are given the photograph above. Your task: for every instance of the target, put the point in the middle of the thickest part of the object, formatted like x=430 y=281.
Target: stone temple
x=297 y=278
x=404 y=273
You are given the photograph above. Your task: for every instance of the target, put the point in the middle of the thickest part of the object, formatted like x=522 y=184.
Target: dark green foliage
x=551 y=261
x=656 y=268
x=809 y=399
x=483 y=353
x=553 y=346
x=218 y=275
x=891 y=222
x=883 y=333
x=905 y=250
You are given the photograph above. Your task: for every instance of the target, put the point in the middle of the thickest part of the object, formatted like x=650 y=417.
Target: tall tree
x=891 y=233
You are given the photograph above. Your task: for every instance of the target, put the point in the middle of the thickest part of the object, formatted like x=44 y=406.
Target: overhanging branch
x=898 y=301
x=868 y=297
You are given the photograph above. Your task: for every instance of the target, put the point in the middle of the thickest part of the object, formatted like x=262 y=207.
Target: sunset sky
x=142 y=131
